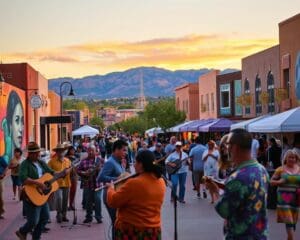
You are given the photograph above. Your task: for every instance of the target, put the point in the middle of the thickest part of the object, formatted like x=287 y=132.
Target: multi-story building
x=23 y=89
x=260 y=82
x=187 y=100
x=289 y=54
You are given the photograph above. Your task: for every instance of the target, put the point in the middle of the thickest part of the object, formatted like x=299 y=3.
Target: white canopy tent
x=288 y=121
x=85 y=130
x=245 y=124
x=154 y=131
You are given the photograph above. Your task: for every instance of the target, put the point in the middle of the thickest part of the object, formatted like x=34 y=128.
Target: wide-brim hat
x=33 y=147
x=178 y=143
x=67 y=144
x=59 y=147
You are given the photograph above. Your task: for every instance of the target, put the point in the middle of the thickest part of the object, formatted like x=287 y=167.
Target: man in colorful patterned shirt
x=243 y=204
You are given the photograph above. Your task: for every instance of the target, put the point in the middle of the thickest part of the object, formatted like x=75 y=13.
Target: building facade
x=37 y=123
x=289 y=38
x=207 y=85
x=229 y=89
x=260 y=82
x=187 y=100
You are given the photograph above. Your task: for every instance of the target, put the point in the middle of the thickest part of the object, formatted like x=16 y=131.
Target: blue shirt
x=196 y=153
x=3 y=165
x=111 y=170
x=175 y=156
x=170 y=148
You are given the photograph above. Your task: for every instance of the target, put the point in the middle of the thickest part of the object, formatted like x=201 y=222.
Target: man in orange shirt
x=139 y=201
x=58 y=163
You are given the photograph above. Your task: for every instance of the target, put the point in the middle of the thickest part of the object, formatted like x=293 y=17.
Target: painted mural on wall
x=12 y=121
x=297 y=77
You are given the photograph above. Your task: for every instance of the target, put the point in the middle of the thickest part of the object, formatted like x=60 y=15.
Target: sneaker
x=58 y=219
x=198 y=195
x=182 y=201
x=64 y=219
x=204 y=195
x=99 y=221
x=87 y=220
x=20 y=235
x=45 y=230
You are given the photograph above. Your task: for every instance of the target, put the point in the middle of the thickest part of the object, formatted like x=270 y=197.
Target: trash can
x=272 y=194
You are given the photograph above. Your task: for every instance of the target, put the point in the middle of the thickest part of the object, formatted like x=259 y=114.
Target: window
x=207 y=102
x=270 y=86
x=247 y=91
x=212 y=102
x=225 y=99
x=286 y=78
x=258 y=106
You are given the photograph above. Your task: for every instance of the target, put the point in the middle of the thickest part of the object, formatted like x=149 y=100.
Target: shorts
x=198 y=175
x=16 y=180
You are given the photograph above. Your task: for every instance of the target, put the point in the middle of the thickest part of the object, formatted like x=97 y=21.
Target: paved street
x=196 y=220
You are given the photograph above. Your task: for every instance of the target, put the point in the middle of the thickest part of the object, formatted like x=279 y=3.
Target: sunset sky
x=84 y=37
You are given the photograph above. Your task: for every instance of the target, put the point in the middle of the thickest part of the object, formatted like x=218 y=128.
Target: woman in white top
x=210 y=159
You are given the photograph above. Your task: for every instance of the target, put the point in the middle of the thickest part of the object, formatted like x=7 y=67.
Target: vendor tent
x=288 y=121
x=245 y=124
x=154 y=131
x=177 y=127
x=194 y=126
x=217 y=125
x=85 y=130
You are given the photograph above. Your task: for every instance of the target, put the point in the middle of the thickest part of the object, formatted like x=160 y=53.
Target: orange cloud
x=192 y=51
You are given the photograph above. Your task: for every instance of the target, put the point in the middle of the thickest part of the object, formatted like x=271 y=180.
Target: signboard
x=35 y=101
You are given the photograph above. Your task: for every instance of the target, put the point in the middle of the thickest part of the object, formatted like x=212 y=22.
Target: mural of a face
x=297 y=77
x=17 y=126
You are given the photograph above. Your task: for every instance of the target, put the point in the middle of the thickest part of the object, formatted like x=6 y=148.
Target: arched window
x=247 y=91
x=270 y=87
x=257 y=95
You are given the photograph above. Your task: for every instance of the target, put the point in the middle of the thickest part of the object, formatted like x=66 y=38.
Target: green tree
x=163 y=114
x=96 y=121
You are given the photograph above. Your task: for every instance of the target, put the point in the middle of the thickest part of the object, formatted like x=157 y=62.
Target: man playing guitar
x=160 y=157
x=180 y=175
x=31 y=170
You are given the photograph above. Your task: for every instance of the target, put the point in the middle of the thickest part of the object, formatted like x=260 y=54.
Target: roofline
x=260 y=52
x=289 y=19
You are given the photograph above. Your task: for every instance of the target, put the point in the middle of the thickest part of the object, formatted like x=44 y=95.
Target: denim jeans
x=181 y=178
x=61 y=197
x=112 y=213
x=93 y=202
x=37 y=218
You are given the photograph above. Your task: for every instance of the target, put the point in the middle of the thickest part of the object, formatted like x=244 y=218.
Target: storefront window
x=258 y=106
x=270 y=86
x=247 y=91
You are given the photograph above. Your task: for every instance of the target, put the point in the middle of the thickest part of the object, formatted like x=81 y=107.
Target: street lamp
x=71 y=93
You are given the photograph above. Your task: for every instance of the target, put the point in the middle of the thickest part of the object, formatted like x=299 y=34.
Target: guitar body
x=172 y=170
x=38 y=197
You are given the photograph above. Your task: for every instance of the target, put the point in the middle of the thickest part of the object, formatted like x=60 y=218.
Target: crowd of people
x=233 y=170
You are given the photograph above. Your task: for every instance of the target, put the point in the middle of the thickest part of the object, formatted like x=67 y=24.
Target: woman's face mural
x=17 y=126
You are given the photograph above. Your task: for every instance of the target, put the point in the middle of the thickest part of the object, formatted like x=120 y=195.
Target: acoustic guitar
x=171 y=170
x=40 y=196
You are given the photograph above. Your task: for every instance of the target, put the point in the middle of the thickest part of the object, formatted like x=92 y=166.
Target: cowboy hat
x=33 y=147
x=59 y=146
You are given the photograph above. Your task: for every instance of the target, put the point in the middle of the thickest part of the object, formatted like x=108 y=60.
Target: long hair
x=291 y=152
x=147 y=158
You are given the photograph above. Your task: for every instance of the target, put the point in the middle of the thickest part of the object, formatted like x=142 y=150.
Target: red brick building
x=187 y=100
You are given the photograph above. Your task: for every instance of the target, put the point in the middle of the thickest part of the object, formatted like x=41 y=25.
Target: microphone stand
x=175 y=199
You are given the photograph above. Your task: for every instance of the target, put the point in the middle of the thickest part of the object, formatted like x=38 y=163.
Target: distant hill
x=157 y=82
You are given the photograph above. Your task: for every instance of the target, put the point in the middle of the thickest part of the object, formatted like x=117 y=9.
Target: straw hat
x=68 y=144
x=59 y=146
x=33 y=147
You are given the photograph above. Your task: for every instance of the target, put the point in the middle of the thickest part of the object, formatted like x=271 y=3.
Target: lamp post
x=71 y=93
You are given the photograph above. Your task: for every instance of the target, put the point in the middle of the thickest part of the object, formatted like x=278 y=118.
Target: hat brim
x=56 y=149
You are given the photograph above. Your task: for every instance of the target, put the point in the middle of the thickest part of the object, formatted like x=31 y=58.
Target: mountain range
x=157 y=82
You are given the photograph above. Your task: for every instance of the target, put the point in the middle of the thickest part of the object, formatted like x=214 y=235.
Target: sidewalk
x=197 y=219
